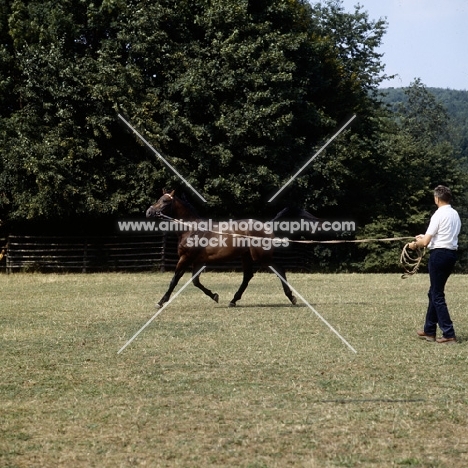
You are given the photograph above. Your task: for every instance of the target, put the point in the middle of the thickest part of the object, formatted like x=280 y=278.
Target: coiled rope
x=411 y=259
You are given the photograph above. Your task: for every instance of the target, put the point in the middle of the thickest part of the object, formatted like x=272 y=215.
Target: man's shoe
x=446 y=340
x=422 y=334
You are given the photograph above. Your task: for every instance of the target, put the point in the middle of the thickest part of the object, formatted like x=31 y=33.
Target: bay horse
x=215 y=247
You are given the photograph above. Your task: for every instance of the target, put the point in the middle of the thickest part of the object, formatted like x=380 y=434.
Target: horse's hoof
x=293 y=300
x=158 y=306
x=232 y=304
x=216 y=297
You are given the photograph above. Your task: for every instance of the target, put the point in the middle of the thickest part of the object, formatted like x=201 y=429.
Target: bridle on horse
x=160 y=213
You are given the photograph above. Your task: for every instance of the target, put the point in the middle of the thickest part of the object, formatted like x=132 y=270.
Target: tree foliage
x=417 y=155
x=235 y=93
x=456 y=104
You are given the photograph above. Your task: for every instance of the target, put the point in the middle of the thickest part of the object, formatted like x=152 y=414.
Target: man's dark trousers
x=441 y=263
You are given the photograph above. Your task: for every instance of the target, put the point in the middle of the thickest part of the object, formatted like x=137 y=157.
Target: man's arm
x=422 y=240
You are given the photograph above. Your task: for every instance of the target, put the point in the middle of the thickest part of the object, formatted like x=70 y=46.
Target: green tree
x=236 y=93
x=248 y=89
x=7 y=74
x=417 y=154
x=456 y=104
x=62 y=154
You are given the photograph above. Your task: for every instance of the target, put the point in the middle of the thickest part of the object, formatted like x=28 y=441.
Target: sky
x=426 y=39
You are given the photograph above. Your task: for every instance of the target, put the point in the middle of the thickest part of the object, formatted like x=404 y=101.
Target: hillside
x=454 y=101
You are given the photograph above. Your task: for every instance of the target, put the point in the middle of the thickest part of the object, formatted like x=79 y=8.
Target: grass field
x=261 y=385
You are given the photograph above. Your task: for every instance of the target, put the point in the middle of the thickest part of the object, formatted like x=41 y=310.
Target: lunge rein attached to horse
x=409 y=262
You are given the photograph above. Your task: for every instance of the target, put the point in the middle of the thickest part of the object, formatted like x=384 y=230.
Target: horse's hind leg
x=247 y=266
x=287 y=290
x=197 y=283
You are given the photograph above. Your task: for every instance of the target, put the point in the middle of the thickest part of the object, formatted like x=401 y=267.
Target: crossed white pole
x=312 y=158
x=198 y=272
x=164 y=160
x=269 y=201
x=161 y=309
x=313 y=310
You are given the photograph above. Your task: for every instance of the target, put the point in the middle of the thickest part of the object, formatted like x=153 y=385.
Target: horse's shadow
x=271 y=306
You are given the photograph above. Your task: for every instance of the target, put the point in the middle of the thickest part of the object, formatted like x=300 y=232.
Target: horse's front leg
x=179 y=272
x=197 y=283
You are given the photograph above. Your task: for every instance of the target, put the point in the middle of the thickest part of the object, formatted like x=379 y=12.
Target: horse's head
x=162 y=206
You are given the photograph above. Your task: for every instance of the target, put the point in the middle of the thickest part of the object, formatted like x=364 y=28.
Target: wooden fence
x=85 y=254
x=156 y=252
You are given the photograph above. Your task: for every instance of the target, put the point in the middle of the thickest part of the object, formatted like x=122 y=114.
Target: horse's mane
x=292 y=213
x=288 y=213
x=183 y=198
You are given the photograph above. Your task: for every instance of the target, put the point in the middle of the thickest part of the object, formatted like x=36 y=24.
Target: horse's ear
x=172 y=193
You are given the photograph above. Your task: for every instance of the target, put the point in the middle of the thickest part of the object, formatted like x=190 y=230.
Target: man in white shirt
x=442 y=240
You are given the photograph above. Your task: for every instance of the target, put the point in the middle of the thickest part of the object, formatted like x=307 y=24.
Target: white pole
x=160 y=310
x=312 y=158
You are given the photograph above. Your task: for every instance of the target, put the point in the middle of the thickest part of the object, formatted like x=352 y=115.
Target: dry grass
x=262 y=385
